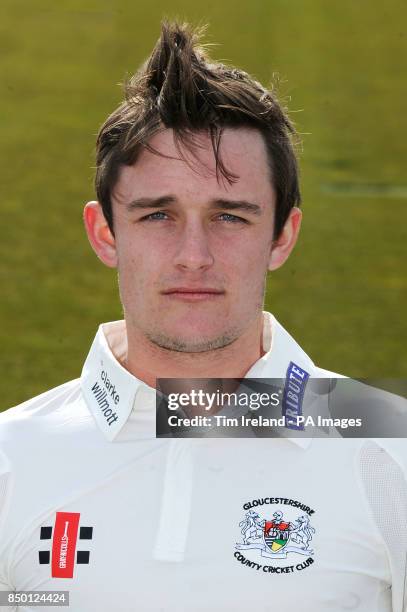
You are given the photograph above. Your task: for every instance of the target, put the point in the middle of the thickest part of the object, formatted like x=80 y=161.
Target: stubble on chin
x=195 y=345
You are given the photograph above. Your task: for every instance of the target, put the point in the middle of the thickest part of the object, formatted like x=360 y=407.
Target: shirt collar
x=112 y=392
x=109 y=389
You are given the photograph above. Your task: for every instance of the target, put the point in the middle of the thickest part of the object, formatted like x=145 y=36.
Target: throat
x=148 y=361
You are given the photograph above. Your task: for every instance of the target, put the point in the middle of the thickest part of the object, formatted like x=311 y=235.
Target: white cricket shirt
x=93 y=503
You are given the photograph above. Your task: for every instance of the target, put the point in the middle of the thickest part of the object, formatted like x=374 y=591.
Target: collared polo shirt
x=91 y=502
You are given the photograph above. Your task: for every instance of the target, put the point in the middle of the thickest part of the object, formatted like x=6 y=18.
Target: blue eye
x=162 y=216
x=233 y=218
x=155 y=217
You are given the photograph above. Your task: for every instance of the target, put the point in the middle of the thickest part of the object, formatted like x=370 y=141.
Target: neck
x=232 y=361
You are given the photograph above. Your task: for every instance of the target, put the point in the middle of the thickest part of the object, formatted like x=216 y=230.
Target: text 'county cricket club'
x=64 y=536
x=279 y=531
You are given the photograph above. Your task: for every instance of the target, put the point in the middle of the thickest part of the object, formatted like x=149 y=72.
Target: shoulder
x=41 y=439
x=51 y=398
x=37 y=410
x=32 y=424
x=383 y=415
x=318 y=372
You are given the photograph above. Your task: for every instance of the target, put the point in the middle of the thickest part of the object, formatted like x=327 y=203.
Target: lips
x=193 y=294
x=192 y=290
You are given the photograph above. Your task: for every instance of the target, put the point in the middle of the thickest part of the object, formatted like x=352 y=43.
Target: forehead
x=243 y=153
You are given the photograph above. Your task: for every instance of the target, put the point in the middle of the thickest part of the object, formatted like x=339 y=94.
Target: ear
x=99 y=234
x=284 y=244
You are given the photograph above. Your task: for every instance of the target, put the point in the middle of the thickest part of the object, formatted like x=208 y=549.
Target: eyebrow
x=242 y=205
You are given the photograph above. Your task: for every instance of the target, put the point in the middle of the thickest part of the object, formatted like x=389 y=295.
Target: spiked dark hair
x=179 y=87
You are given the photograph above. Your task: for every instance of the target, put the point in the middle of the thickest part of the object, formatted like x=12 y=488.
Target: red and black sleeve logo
x=65 y=534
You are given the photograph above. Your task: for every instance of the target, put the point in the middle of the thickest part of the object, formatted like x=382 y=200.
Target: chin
x=191 y=343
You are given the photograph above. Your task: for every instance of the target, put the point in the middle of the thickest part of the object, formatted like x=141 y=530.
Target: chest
x=218 y=527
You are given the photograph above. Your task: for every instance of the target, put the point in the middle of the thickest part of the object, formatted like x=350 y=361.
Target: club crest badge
x=276 y=535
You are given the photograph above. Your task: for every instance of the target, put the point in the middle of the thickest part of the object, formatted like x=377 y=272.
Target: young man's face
x=192 y=253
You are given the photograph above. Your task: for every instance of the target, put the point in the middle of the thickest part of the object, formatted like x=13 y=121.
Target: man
x=198 y=197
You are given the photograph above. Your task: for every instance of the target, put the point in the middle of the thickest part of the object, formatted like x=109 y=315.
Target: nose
x=193 y=252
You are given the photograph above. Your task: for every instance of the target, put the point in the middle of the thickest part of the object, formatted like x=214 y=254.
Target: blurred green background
x=342 y=295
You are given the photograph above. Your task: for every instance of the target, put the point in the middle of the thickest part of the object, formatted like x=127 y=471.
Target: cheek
x=249 y=262
x=138 y=269
x=144 y=252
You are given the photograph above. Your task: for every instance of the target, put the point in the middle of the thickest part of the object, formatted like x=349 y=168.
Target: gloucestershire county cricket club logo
x=277 y=536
